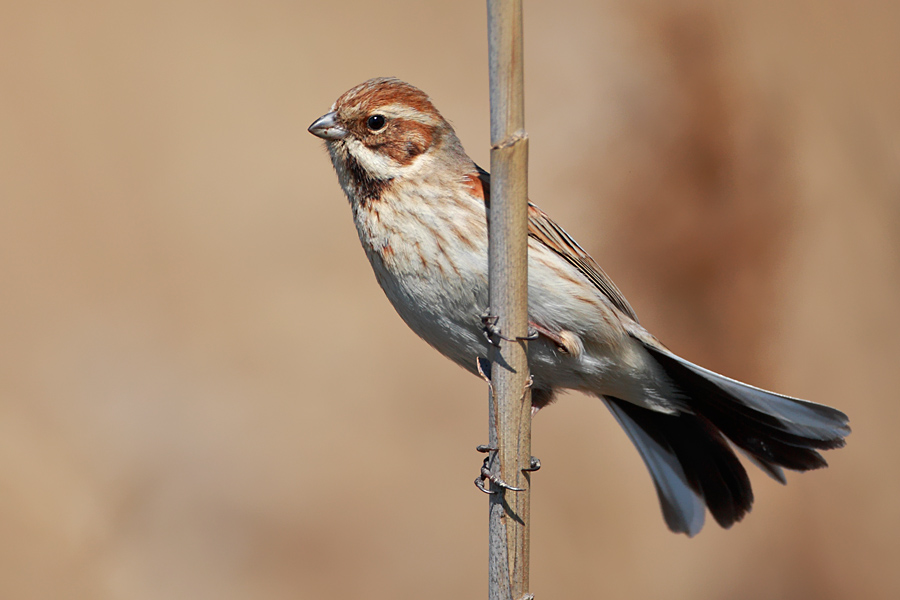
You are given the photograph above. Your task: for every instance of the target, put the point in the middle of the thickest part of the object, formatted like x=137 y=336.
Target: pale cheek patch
x=421 y=165
x=375 y=164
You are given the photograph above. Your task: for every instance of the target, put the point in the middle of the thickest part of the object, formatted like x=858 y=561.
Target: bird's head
x=385 y=129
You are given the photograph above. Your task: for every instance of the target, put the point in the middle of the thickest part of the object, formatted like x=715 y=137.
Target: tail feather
x=691 y=465
x=689 y=455
x=777 y=430
x=770 y=469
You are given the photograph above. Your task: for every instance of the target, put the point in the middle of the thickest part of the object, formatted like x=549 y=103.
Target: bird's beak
x=327 y=128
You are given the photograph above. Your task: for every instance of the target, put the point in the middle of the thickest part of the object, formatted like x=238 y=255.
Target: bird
x=421 y=205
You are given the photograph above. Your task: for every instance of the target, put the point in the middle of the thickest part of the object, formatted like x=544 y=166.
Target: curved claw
x=495 y=480
x=532 y=335
x=533 y=465
x=488 y=475
x=491 y=331
x=479 y=483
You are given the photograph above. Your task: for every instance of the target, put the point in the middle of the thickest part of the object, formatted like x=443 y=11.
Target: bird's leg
x=488 y=472
x=534 y=463
x=488 y=467
x=492 y=331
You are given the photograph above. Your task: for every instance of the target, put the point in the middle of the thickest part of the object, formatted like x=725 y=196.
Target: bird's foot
x=493 y=334
x=534 y=464
x=488 y=471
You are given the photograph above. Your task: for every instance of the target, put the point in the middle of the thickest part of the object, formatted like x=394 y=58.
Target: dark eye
x=375 y=122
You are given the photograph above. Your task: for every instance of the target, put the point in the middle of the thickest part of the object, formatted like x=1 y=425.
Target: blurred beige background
x=204 y=394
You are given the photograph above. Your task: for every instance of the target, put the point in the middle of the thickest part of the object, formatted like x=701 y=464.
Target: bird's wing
x=542 y=229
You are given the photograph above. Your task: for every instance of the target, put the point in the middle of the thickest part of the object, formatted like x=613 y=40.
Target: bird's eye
x=375 y=122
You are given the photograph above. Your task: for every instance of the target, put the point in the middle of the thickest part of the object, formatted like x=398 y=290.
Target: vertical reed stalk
x=510 y=418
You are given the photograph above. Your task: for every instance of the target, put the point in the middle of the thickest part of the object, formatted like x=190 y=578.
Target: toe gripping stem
x=488 y=471
x=488 y=467
x=493 y=334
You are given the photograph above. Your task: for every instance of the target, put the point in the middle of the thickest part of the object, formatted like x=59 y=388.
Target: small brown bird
x=420 y=205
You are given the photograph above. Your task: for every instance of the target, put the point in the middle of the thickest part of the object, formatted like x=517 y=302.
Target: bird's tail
x=689 y=455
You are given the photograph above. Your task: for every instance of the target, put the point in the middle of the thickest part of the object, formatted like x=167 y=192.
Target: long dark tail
x=691 y=462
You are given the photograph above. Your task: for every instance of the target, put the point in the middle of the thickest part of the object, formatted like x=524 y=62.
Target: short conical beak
x=327 y=128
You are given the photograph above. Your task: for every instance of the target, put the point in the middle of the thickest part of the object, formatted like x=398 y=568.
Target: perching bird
x=420 y=203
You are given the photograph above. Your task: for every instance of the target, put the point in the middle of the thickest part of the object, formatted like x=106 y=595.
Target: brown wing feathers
x=544 y=230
